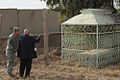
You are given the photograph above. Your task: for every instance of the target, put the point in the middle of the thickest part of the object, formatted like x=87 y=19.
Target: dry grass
x=56 y=70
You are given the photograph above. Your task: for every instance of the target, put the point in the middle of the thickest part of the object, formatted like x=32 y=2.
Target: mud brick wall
x=54 y=42
x=2 y=48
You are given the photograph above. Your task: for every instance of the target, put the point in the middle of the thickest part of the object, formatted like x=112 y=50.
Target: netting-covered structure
x=92 y=38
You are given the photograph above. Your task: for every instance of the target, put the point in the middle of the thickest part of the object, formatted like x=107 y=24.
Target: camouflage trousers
x=10 y=55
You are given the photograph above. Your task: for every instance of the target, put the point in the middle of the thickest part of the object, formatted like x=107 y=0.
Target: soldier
x=11 y=49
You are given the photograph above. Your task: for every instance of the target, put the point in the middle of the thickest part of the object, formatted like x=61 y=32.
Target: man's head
x=26 y=32
x=16 y=30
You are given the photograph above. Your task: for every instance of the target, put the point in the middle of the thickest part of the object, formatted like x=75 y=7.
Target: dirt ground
x=56 y=70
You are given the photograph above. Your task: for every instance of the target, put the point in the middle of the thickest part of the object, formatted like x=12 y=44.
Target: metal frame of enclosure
x=91 y=44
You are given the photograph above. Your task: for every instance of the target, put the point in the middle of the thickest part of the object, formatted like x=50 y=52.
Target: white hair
x=26 y=31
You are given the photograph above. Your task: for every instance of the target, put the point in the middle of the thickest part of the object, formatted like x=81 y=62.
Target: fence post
x=0 y=24
x=97 y=47
x=45 y=30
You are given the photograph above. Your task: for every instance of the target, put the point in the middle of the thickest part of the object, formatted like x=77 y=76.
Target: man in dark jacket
x=26 y=52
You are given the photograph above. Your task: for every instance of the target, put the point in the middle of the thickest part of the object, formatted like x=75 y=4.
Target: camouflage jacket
x=12 y=43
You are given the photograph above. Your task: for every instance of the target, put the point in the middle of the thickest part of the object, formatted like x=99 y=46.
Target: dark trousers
x=25 y=64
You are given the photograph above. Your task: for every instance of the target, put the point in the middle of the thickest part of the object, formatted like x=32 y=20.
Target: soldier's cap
x=16 y=29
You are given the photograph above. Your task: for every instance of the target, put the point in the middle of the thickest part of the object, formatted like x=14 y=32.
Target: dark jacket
x=26 y=47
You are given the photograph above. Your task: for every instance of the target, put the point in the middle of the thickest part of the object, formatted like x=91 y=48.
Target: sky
x=23 y=4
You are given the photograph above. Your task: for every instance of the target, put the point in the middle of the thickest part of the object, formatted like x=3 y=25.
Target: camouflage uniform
x=11 y=49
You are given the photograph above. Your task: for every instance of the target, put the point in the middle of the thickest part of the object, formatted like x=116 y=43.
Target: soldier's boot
x=11 y=75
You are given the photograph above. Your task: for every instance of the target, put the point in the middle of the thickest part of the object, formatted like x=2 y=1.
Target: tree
x=116 y=4
x=73 y=7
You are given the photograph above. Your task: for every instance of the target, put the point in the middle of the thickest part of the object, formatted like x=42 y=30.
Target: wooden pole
x=0 y=24
x=45 y=30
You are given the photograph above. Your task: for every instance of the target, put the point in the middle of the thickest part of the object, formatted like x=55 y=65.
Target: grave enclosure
x=91 y=38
